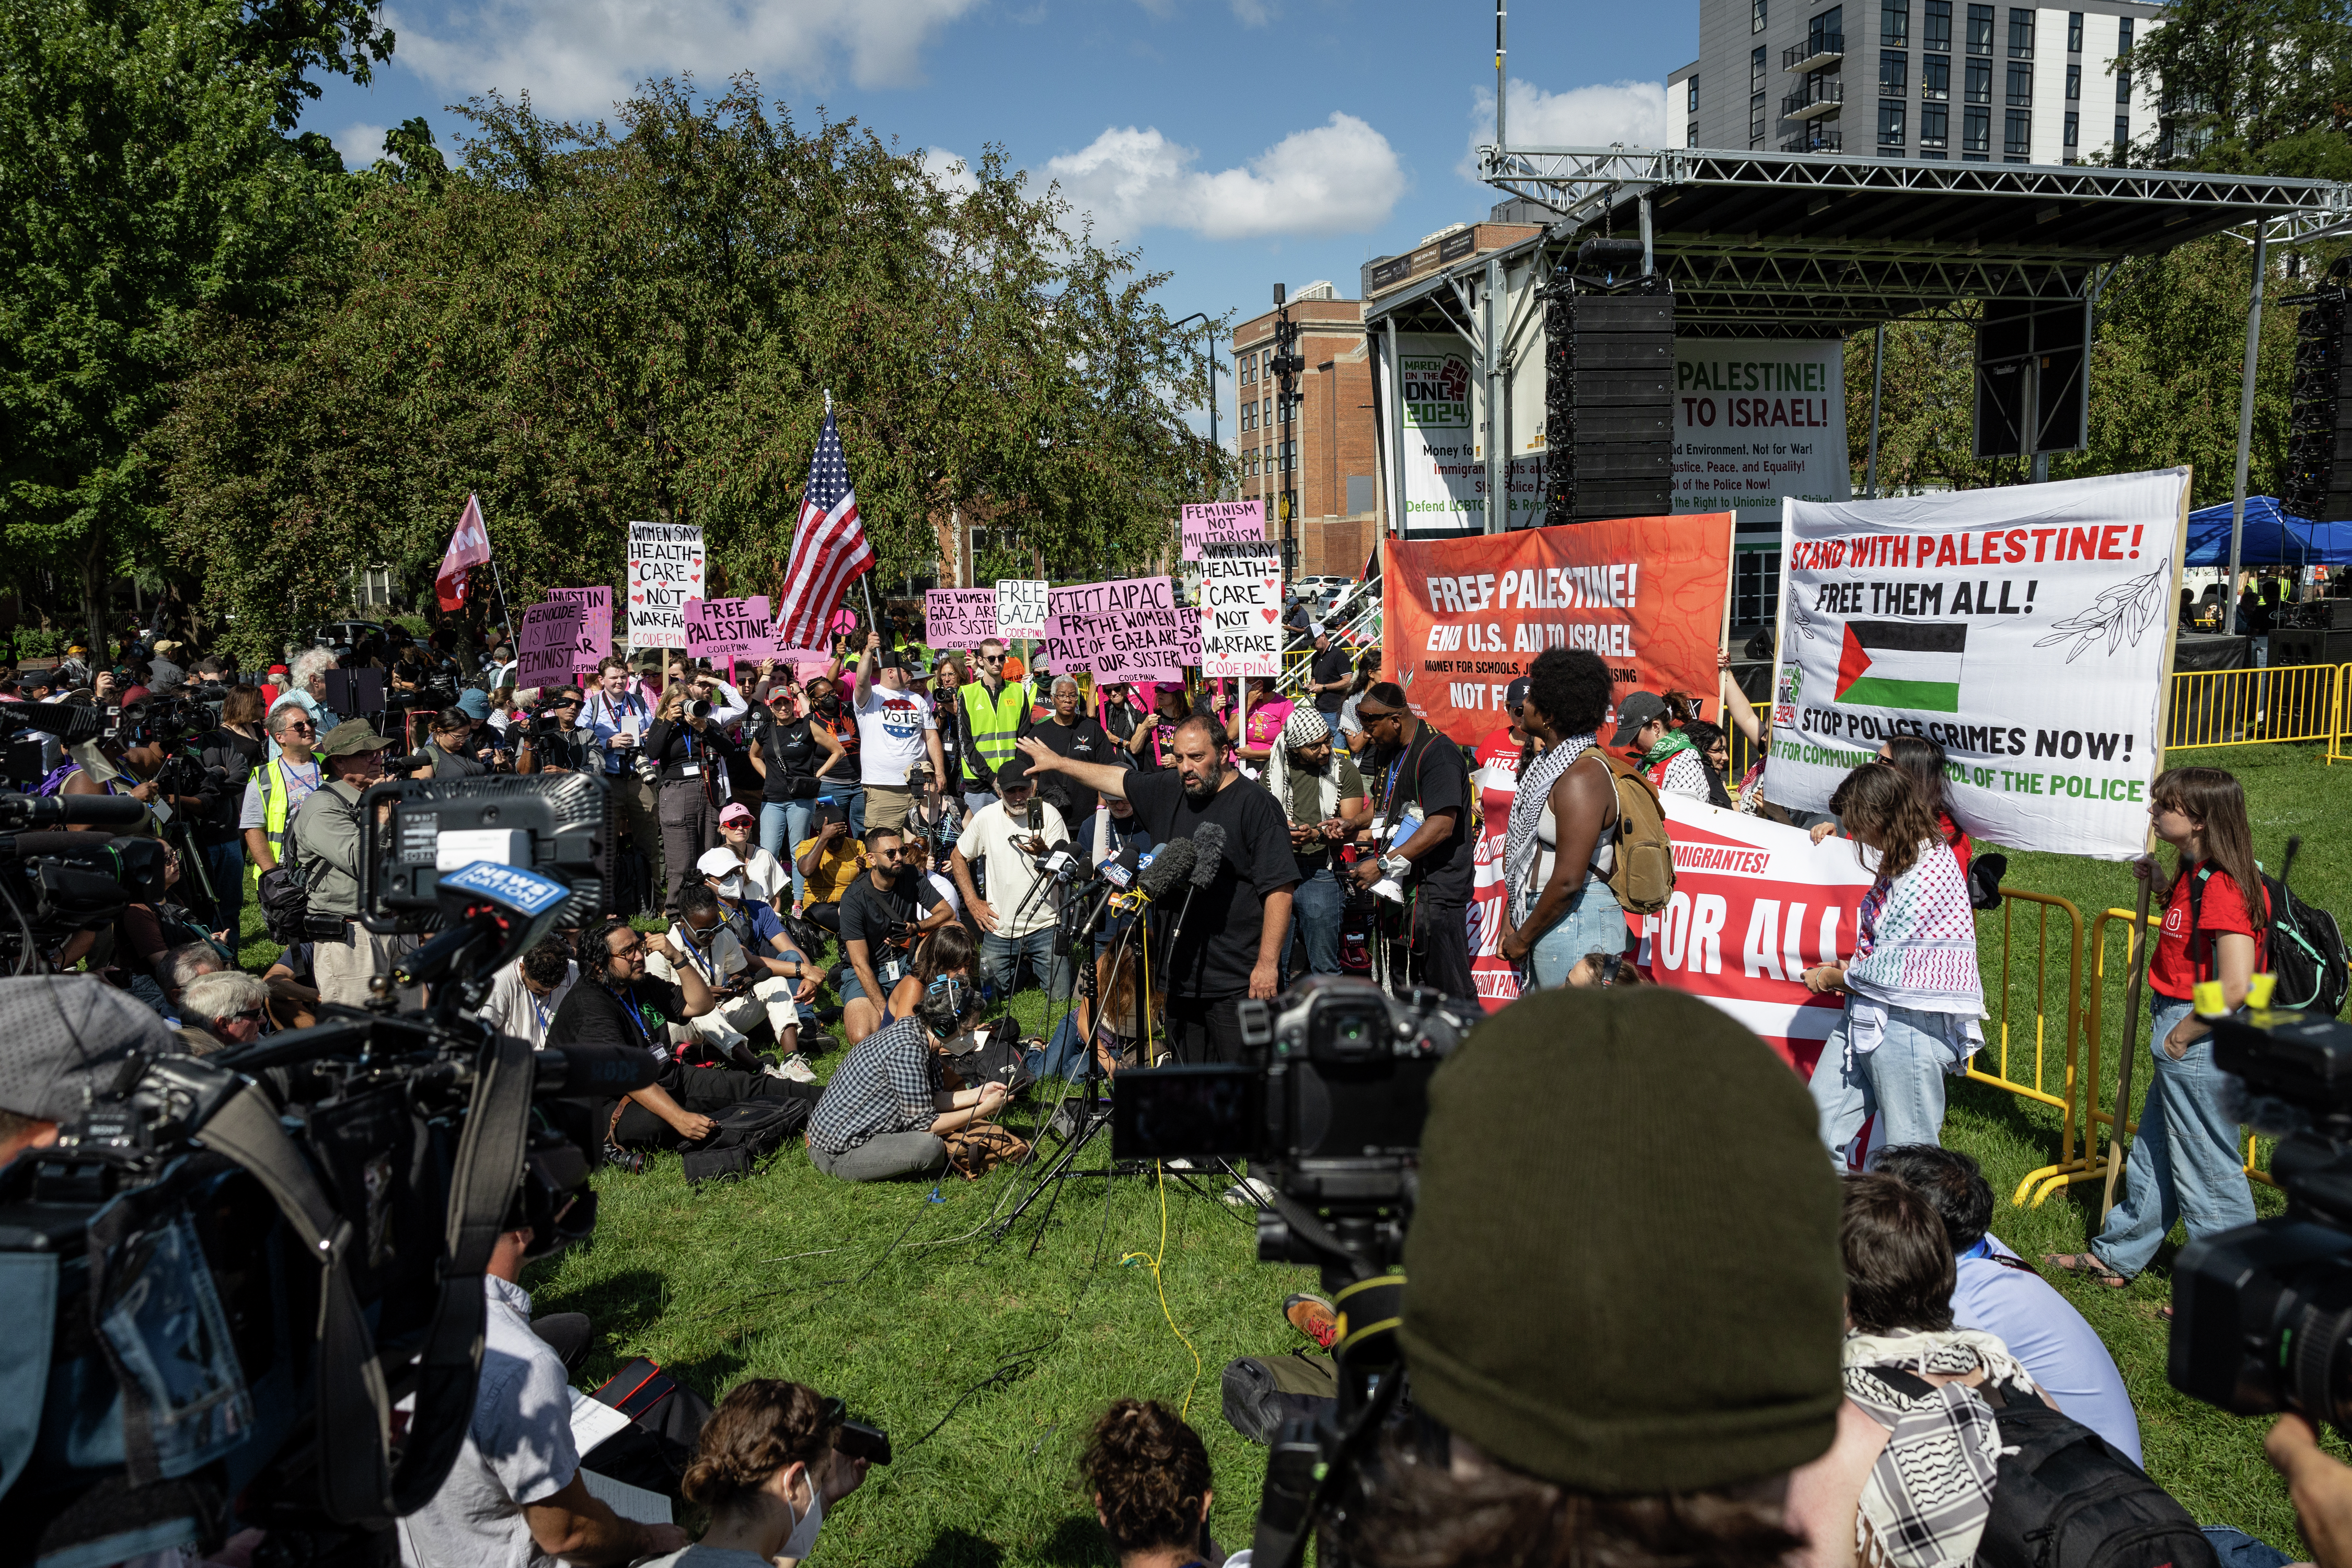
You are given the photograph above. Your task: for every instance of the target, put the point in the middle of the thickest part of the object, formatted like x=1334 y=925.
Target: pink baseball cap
x=733 y=812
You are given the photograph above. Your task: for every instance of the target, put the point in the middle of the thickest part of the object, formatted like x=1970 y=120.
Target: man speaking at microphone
x=1230 y=943
x=1011 y=835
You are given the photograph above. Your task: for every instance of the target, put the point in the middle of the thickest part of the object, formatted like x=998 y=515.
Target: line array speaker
x=2319 y=427
x=1609 y=383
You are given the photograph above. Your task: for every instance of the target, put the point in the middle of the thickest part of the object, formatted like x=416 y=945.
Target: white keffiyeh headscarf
x=1304 y=728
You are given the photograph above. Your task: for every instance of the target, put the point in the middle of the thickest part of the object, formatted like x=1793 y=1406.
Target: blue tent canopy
x=2271 y=537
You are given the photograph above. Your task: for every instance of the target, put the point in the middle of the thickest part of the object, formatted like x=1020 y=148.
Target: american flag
x=829 y=549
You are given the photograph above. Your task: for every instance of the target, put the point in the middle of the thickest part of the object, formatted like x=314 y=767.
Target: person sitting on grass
x=882 y=914
x=791 y=979
x=1148 y=1475
x=884 y=1115
x=767 y=1469
x=525 y=994
x=829 y=861
x=948 y=952
x=222 y=1007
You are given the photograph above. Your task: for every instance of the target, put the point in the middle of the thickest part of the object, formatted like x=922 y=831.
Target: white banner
x=2023 y=629
x=1021 y=607
x=1241 y=610
x=665 y=561
x=1758 y=421
x=1444 y=404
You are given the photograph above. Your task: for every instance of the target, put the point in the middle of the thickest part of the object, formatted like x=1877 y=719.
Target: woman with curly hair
x=1147 y=1473
x=767 y=1470
x=1560 y=847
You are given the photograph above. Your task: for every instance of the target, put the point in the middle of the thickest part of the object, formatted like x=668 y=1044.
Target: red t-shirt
x=2181 y=959
x=1957 y=839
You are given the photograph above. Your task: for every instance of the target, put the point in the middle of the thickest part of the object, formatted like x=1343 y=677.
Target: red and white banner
x=1496 y=780
x=1466 y=616
x=469 y=546
x=1755 y=905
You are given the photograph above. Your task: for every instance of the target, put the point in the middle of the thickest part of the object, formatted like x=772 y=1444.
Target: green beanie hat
x=1622 y=1274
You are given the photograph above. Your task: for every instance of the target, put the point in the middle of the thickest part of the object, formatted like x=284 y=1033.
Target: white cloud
x=359 y=144
x=579 y=56
x=1248 y=13
x=951 y=170
x=1633 y=112
x=1341 y=177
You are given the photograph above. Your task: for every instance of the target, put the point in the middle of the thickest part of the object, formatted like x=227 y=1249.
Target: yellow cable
x=1161 y=1286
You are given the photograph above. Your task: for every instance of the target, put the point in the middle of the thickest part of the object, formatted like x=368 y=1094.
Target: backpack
x=1641 y=871
x=748 y=1132
x=2301 y=945
x=665 y=1418
x=1262 y=1393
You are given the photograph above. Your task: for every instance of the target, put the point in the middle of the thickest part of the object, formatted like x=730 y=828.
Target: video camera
x=232 y=1268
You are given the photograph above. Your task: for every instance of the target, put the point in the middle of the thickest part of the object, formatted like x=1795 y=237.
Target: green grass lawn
x=987 y=1363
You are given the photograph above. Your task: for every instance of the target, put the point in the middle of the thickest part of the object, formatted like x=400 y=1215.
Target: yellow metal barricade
x=2035 y=1057
x=2250 y=707
x=2338 y=741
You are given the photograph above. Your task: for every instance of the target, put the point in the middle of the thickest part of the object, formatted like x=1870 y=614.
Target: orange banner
x=1463 y=617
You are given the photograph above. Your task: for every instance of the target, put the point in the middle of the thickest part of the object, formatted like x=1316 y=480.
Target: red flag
x=468 y=547
x=829 y=549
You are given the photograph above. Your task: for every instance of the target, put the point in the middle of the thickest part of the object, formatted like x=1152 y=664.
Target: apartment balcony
x=1820 y=50
x=1818 y=140
x=1821 y=95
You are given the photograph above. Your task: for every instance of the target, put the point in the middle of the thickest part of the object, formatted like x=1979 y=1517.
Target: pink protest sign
x=959 y=617
x=729 y=628
x=1224 y=523
x=595 y=639
x=544 y=644
x=1131 y=629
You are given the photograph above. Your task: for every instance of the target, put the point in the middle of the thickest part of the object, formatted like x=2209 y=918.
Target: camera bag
x=666 y=1417
x=748 y=1132
x=1262 y=1393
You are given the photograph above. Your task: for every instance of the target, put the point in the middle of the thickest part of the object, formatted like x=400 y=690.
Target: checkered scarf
x=1303 y=728
x=1928 y=1494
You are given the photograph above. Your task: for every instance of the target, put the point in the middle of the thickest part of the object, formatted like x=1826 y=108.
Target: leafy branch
x=2124 y=609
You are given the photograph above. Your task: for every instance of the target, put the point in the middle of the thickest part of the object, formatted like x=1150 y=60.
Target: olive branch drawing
x=1797 y=614
x=2126 y=609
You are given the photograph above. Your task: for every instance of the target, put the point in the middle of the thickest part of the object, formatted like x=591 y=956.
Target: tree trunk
x=94 y=598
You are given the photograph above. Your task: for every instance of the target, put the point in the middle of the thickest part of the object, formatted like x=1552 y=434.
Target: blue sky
x=1237 y=143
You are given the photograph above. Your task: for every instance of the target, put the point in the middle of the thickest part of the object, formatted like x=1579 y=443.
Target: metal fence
x=2043 y=1029
x=2248 y=707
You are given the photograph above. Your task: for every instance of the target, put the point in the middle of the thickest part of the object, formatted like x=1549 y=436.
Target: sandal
x=2088 y=1266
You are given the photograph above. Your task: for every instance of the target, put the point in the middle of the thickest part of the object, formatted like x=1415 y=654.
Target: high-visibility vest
x=275 y=808
x=995 y=722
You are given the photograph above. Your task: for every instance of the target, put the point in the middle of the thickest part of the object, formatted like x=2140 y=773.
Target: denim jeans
x=1901 y=1082
x=2186 y=1161
x=225 y=863
x=978 y=799
x=783 y=824
x=1594 y=922
x=1063 y=1057
x=1000 y=956
x=1315 y=906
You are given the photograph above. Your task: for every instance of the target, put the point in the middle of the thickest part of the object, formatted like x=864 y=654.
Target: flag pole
x=499 y=581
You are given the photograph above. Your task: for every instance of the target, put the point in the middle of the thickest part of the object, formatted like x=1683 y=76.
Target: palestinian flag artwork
x=1913 y=665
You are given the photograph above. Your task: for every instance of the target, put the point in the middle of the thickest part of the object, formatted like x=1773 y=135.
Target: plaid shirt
x=885 y=1085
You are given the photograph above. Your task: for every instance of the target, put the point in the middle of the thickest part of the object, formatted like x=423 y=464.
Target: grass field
x=987 y=1362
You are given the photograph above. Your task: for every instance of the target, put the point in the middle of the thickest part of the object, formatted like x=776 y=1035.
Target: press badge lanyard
x=628 y=1001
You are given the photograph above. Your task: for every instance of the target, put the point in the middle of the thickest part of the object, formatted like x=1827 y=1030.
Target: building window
x=2021 y=33
x=1690 y=95
x=1936 y=77
x=2074 y=134
x=1827 y=31
x=2021 y=83
x=1890 y=125
x=1755 y=16
x=2122 y=137
x=1975 y=133
x=1690 y=137
x=1894 y=73
x=2122 y=88
x=1939 y=26
x=1895 y=22
x=2123 y=34
x=1756 y=69
x=1980 y=81
x=2073 y=32
x=1979 y=29
x=1935 y=121
x=2074 y=82
x=2017 y=136
x=1755 y=118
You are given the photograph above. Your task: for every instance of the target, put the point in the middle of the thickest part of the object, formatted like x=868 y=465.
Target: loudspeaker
x=1609 y=383
x=2319 y=426
x=2030 y=368
x=2304 y=645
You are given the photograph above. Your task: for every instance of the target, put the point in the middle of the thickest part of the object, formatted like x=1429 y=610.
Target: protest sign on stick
x=1241 y=610
x=595 y=639
x=1224 y=523
x=2027 y=630
x=1022 y=606
x=665 y=566
x=959 y=617
x=543 y=654
x=729 y=628
x=1131 y=629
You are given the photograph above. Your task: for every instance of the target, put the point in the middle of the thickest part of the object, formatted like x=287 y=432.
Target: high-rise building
x=1939 y=79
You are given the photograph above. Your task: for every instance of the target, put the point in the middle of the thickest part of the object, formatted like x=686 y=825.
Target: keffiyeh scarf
x=1929 y=1493
x=1304 y=728
x=1534 y=790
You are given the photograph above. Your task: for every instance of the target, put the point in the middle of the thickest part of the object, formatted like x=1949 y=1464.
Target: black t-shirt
x=1217 y=947
x=868 y=912
x=1440 y=781
x=1084 y=742
x=594 y=1014
x=791 y=752
x=1331 y=665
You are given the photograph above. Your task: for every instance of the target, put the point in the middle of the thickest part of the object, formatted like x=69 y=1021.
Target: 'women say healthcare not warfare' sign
x=2022 y=630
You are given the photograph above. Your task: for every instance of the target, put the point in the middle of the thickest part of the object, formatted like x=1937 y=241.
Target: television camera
x=228 y=1269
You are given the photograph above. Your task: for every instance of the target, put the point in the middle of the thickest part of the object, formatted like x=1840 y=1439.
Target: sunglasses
x=251 y=1015
x=887 y=854
x=1372 y=716
x=991 y=658
x=301 y=726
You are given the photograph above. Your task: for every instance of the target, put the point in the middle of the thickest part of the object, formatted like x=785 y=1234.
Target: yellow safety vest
x=275 y=808
x=995 y=723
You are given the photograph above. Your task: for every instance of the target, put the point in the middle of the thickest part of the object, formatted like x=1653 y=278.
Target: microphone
x=1209 y=852
x=584 y=1072
x=1171 y=865
x=71 y=722
x=1111 y=878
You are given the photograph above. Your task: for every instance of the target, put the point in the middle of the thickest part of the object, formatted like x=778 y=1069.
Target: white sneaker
x=1249 y=1192
x=796 y=1067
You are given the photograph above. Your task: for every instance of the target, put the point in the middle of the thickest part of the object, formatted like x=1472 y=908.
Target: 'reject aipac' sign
x=2024 y=629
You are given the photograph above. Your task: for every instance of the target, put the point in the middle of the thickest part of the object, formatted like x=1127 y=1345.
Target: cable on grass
x=1160 y=1284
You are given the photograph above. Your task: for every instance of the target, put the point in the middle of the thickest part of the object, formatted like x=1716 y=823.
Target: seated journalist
x=885 y=1113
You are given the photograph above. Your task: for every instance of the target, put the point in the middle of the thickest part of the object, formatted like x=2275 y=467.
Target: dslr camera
x=2263 y=1314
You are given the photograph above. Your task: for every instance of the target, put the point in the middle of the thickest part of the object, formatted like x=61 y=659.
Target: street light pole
x=1286 y=366
x=1209 y=363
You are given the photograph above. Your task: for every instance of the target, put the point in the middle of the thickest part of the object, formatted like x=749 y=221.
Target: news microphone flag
x=829 y=549
x=468 y=547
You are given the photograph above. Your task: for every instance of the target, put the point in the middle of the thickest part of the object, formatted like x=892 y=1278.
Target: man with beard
x=1424 y=780
x=883 y=915
x=1230 y=945
x=1323 y=798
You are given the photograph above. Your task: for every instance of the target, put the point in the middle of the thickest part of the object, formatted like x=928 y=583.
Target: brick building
x=1321 y=450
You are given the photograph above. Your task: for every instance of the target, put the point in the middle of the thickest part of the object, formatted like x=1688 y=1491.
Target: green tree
x=587 y=324
x=145 y=180
x=2252 y=86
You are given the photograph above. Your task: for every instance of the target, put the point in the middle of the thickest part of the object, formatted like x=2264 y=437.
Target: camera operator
x=516 y=1492
x=691 y=750
x=1424 y=774
x=882 y=915
x=1230 y=943
x=133 y=762
x=327 y=848
x=767 y=1469
x=551 y=742
x=452 y=750
x=237 y=746
x=1011 y=835
x=615 y=719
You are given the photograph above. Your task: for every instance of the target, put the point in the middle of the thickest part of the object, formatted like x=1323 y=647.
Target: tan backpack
x=1642 y=875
